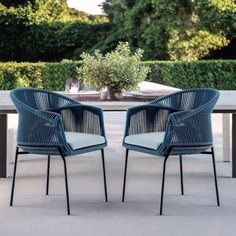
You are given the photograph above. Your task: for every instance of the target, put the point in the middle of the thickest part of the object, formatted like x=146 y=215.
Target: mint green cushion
x=148 y=140
x=80 y=140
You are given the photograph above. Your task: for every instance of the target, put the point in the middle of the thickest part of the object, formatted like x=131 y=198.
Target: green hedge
x=34 y=33
x=50 y=76
x=220 y=74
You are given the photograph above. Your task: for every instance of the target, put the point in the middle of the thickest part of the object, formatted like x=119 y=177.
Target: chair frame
x=62 y=149
x=181 y=174
x=48 y=174
x=166 y=149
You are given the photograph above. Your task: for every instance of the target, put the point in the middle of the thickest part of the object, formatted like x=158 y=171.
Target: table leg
x=233 y=145
x=3 y=145
x=226 y=137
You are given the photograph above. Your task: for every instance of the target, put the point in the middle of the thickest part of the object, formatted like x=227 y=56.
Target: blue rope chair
x=52 y=124
x=176 y=124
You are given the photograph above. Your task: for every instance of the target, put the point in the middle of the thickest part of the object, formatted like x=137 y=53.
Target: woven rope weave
x=185 y=116
x=44 y=116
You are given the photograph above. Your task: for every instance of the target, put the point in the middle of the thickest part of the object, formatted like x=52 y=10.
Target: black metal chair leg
x=125 y=171
x=104 y=175
x=48 y=174
x=181 y=175
x=14 y=176
x=163 y=181
x=215 y=176
x=66 y=184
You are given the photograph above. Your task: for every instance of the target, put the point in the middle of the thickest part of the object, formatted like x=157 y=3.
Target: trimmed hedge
x=51 y=76
x=220 y=74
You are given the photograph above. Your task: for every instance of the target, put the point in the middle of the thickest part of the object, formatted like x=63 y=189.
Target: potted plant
x=116 y=72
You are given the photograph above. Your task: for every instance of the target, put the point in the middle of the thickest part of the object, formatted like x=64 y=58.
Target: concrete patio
x=195 y=213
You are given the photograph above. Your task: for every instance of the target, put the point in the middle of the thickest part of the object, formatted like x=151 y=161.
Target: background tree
x=16 y=3
x=173 y=29
x=37 y=30
x=46 y=31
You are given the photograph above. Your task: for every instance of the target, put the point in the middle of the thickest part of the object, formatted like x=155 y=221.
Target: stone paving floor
x=195 y=213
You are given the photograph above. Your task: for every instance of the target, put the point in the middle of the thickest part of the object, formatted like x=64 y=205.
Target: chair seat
x=81 y=140
x=150 y=140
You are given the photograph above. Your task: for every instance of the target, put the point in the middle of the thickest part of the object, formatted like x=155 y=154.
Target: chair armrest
x=40 y=128
x=82 y=118
x=48 y=116
x=180 y=116
x=189 y=128
x=147 y=118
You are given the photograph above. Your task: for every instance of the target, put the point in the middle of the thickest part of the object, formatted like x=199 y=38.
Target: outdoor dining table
x=225 y=105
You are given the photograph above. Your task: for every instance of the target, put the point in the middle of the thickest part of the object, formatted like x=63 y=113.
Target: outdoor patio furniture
x=52 y=124
x=176 y=124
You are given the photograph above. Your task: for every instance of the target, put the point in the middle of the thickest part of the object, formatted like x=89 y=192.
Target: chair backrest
x=38 y=99
x=189 y=99
x=193 y=126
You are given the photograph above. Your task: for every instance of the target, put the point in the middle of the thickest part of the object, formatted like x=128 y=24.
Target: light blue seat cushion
x=148 y=140
x=81 y=140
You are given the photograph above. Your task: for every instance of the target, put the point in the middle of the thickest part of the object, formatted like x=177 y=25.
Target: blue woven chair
x=176 y=124
x=52 y=124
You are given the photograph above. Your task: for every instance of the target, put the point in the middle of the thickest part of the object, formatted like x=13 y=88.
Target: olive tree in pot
x=115 y=72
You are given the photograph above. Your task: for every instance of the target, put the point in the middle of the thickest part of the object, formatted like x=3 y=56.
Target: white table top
x=226 y=103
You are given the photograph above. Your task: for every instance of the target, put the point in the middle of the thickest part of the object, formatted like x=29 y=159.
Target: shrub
x=118 y=70
x=219 y=74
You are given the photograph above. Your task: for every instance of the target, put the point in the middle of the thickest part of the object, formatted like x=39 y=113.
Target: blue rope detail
x=44 y=116
x=185 y=116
